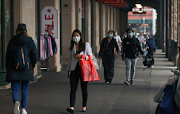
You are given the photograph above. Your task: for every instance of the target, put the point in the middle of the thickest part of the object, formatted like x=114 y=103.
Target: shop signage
x=106 y=0
x=49 y=21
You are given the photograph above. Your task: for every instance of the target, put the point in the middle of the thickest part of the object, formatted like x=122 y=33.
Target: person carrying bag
x=78 y=49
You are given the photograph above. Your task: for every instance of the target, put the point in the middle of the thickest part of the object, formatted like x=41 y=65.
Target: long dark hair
x=81 y=42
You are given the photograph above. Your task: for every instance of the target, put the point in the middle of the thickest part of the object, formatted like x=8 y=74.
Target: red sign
x=49 y=21
x=121 y=5
x=106 y=0
x=117 y=2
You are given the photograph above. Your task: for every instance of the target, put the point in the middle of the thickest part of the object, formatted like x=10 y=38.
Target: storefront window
x=0 y=40
x=7 y=22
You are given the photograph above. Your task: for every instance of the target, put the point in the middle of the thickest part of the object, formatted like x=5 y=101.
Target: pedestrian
x=152 y=48
x=142 y=40
x=108 y=51
x=139 y=41
x=118 y=40
x=130 y=44
x=77 y=48
x=20 y=72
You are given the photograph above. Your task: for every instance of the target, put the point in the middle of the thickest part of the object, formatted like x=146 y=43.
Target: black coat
x=12 y=72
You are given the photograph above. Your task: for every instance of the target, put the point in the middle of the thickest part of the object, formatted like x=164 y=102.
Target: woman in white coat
x=78 y=47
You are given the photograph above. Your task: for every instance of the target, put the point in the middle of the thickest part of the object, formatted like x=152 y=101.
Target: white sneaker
x=24 y=111
x=152 y=66
x=16 y=107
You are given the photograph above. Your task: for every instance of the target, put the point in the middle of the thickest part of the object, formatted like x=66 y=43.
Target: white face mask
x=76 y=39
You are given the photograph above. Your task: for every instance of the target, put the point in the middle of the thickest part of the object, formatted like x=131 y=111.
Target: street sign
x=49 y=21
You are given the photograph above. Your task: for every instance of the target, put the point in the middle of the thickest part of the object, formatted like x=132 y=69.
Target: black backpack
x=22 y=60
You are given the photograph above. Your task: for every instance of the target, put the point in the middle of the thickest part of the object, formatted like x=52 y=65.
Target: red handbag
x=88 y=70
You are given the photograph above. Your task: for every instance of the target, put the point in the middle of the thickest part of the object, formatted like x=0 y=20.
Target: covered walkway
x=50 y=95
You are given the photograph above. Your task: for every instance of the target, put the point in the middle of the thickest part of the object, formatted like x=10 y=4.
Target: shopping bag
x=100 y=64
x=95 y=62
x=167 y=104
x=88 y=70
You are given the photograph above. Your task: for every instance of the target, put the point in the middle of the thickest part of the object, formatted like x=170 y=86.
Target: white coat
x=72 y=61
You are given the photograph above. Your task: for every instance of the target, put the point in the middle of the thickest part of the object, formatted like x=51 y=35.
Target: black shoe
x=70 y=110
x=110 y=82
x=84 y=110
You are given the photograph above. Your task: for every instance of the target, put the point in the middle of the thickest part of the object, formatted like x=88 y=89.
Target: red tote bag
x=88 y=70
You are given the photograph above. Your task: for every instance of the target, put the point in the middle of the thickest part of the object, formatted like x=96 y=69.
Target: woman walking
x=152 y=48
x=77 y=48
x=20 y=72
x=108 y=51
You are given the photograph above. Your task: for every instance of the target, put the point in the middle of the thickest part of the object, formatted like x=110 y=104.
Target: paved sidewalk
x=50 y=94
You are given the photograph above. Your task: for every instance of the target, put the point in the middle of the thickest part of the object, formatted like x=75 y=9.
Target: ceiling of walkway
x=151 y=3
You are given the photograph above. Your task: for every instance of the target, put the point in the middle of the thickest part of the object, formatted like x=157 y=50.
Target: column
x=111 y=17
x=96 y=45
x=175 y=32
x=178 y=29
x=161 y=24
x=103 y=21
x=118 y=22
x=107 y=17
x=78 y=14
x=169 y=31
x=114 y=19
x=68 y=25
x=164 y=45
x=88 y=21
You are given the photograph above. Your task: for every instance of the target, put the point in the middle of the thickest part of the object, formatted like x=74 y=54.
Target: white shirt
x=118 y=39
x=72 y=61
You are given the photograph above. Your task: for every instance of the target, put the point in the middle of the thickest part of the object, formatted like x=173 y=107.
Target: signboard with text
x=49 y=21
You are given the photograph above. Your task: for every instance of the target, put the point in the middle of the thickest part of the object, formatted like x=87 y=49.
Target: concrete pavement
x=50 y=94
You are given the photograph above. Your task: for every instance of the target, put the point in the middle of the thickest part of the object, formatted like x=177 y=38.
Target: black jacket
x=107 y=48
x=129 y=48
x=15 y=74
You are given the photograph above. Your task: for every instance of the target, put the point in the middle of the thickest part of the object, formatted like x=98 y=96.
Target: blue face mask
x=130 y=34
x=110 y=35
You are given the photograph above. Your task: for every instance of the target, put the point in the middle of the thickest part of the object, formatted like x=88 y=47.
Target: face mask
x=110 y=35
x=115 y=34
x=76 y=39
x=130 y=34
x=135 y=36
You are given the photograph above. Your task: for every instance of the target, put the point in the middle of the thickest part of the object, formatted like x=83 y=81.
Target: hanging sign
x=49 y=21
x=113 y=2
x=122 y=3
x=106 y=0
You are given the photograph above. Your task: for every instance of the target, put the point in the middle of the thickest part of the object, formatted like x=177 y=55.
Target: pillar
x=118 y=22
x=88 y=21
x=169 y=30
x=175 y=32
x=161 y=25
x=103 y=21
x=68 y=25
x=96 y=45
x=78 y=14
x=111 y=17
x=178 y=28
x=21 y=10
x=107 y=18
x=114 y=19
x=172 y=32
x=164 y=45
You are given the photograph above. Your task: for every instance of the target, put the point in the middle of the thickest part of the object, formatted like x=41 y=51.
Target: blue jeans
x=24 y=89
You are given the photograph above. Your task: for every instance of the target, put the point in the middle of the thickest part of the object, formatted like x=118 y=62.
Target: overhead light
x=140 y=10
x=138 y=5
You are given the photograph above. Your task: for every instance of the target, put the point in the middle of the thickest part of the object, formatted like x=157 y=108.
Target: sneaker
x=24 y=111
x=107 y=82
x=152 y=66
x=16 y=107
x=126 y=82
x=132 y=83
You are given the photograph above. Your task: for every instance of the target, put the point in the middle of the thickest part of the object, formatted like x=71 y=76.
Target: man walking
x=118 y=40
x=129 y=49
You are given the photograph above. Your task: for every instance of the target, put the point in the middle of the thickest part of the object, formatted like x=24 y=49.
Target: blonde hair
x=22 y=32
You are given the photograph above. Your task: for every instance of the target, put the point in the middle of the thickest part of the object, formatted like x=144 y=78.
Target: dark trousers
x=74 y=79
x=15 y=85
x=151 y=53
x=108 y=63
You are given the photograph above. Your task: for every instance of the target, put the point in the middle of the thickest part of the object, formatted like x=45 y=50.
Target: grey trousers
x=130 y=68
